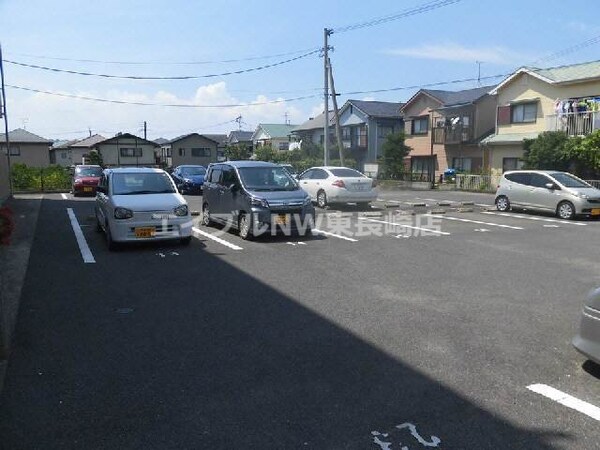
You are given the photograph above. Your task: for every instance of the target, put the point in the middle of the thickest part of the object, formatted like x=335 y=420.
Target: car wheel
x=112 y=245
x=502 y=203
x=565 y=210
x=206 y=220
x=186 y=240
x=245 y=226
x=321 y=199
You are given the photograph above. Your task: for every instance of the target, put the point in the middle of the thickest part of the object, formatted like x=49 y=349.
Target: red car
x=85 y=180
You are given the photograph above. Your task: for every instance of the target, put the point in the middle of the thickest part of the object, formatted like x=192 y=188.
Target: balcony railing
x=575 y=123
x=452 y=135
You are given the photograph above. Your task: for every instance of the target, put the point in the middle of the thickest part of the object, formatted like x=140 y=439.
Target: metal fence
x=481 y=183
x=595 y=183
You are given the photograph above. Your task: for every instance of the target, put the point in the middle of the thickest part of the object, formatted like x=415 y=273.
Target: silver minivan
x=547 y=190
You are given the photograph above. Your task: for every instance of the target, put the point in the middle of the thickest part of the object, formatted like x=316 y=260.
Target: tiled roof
x=277 y=130
x=20 y=135
x=89 y=141
x=240 y=136
x=161 y=141
x=63 y=143
x=508 y=138
x=220 y=139
x=378 y=109
x=452 y=98
x=316 y=122
x=573 y=72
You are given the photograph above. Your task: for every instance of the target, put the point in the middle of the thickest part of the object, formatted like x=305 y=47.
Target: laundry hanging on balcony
x=577 y=116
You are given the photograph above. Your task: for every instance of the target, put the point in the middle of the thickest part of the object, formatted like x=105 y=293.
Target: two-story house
x=192 y=148
x=126 y=149
x=443 y=129
x=313 y=130
x=26 y=148
x=365 y=126
x=73 y=152
x=277 y=135
x=531 y=100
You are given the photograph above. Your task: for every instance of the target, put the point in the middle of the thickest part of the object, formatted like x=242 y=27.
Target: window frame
x=135 y=153
x=420 y=120
x=515 y=107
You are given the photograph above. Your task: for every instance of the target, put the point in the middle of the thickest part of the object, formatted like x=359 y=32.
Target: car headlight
x=254 y=201
x=580 y=195
x=123 y=213
x=181 y=210
x=78 y=180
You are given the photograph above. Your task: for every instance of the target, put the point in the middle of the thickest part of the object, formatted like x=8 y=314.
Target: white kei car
x=141 y=204
x=327 y=185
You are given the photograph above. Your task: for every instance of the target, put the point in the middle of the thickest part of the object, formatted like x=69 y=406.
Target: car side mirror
x=552 y=186
x=233 y=187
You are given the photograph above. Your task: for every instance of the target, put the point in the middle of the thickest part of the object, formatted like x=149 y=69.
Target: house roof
x=89 y=141
x=508 y=138
x=124 y=136
x=22 y=136
x=448 y=99
x=161 y=141
x=63 y=144
x=316 y=122
x=239 y=136
x=572 y=73
x=376 y=108
x=276 y=130
x=220 y=139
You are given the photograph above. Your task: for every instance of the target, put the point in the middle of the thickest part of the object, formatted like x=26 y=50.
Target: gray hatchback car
x=256 y=198
x=547 y=190
x=587 y=340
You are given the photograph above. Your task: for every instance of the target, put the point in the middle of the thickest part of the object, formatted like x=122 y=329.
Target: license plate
x=280 y=219
x=87 y=189
x=596 y=212
x=145 y=232
x=360 y=187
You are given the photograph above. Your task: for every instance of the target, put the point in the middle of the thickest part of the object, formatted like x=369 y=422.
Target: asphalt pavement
x=425 y=335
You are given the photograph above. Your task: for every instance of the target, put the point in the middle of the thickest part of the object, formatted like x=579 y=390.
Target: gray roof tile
x=24 y=136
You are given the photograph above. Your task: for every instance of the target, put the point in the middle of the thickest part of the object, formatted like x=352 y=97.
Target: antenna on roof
x=90 y=131
x=479 y=63
x=238 y=119
x=24 y=121
x=287 y=120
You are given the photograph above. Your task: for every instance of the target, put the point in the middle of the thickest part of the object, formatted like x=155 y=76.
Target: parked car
x=290 y=169
x=587 y=340
x=327 y=185
x=547 y=190
x=255 y=197
x=141 y=204
x=189 y=179
x=85 y=180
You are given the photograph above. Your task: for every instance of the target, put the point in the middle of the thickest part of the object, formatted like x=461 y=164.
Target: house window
x=284 y=146
x=346 y=133
x=200 y=152
x=511 y=164
x=420 y=125
x=182 y=152
x=362 y=136
x=129 y=152
x=523 y=113
x=14 y=150
x=63 y=155
x=383 y=131
x=169 y=152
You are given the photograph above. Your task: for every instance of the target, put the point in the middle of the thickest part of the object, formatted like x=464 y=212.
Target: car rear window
x=142 y=183
x=88 y=171
x=346 y=173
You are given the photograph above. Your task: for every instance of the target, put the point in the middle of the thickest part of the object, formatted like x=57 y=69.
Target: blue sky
x=436 y=46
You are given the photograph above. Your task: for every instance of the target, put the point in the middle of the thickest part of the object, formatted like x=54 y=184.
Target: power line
x=184 y=77
x=174 y=63
x=569 y=50
x=429 y=6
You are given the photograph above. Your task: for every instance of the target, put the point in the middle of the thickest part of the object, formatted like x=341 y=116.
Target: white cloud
x=457 y=52
x=59 y=117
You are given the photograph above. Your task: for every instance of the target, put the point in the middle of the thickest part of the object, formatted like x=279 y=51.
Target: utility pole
x=145 y=130
x=326 y=33
x=4 y=114
x=238 y=119
x=90 y=131
x=338 y=128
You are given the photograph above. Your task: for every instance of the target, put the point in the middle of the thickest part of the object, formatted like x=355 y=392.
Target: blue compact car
x=189 y=179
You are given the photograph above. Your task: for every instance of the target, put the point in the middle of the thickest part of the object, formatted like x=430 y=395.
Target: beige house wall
x=32 y=155
x=111 y=155
x=526 y=87
x=498 y=152
x=194 y=141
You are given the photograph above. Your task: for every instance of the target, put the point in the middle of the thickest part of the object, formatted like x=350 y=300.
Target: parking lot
x=427 y=321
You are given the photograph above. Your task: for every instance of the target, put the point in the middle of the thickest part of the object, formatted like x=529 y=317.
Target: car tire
x=245 y=226
x=502 y=203
x=565 y=211
x=186 y=240
x=321 y=199
x=110 y=243
x=206 y=220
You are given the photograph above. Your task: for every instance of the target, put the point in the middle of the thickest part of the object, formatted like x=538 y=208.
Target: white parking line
x=216 y=239
x=443 y=233
x=327 y=233
x=540 y=219
x=484 y=205
x=86 y=253
x=64 y=196
x=566 y=400
x=458 y=219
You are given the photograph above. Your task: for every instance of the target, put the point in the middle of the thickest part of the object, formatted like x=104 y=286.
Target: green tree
x=550 y=151
x=584 y=155
x=265 y=153
x=95 y=157
x=394 y=152
x=236 y=152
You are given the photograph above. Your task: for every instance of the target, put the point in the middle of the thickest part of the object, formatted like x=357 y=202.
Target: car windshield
x=267 y=179
x=190 y=171
x=568 y=180
x=346 y=173
x=142 y=183
x=88 y=172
